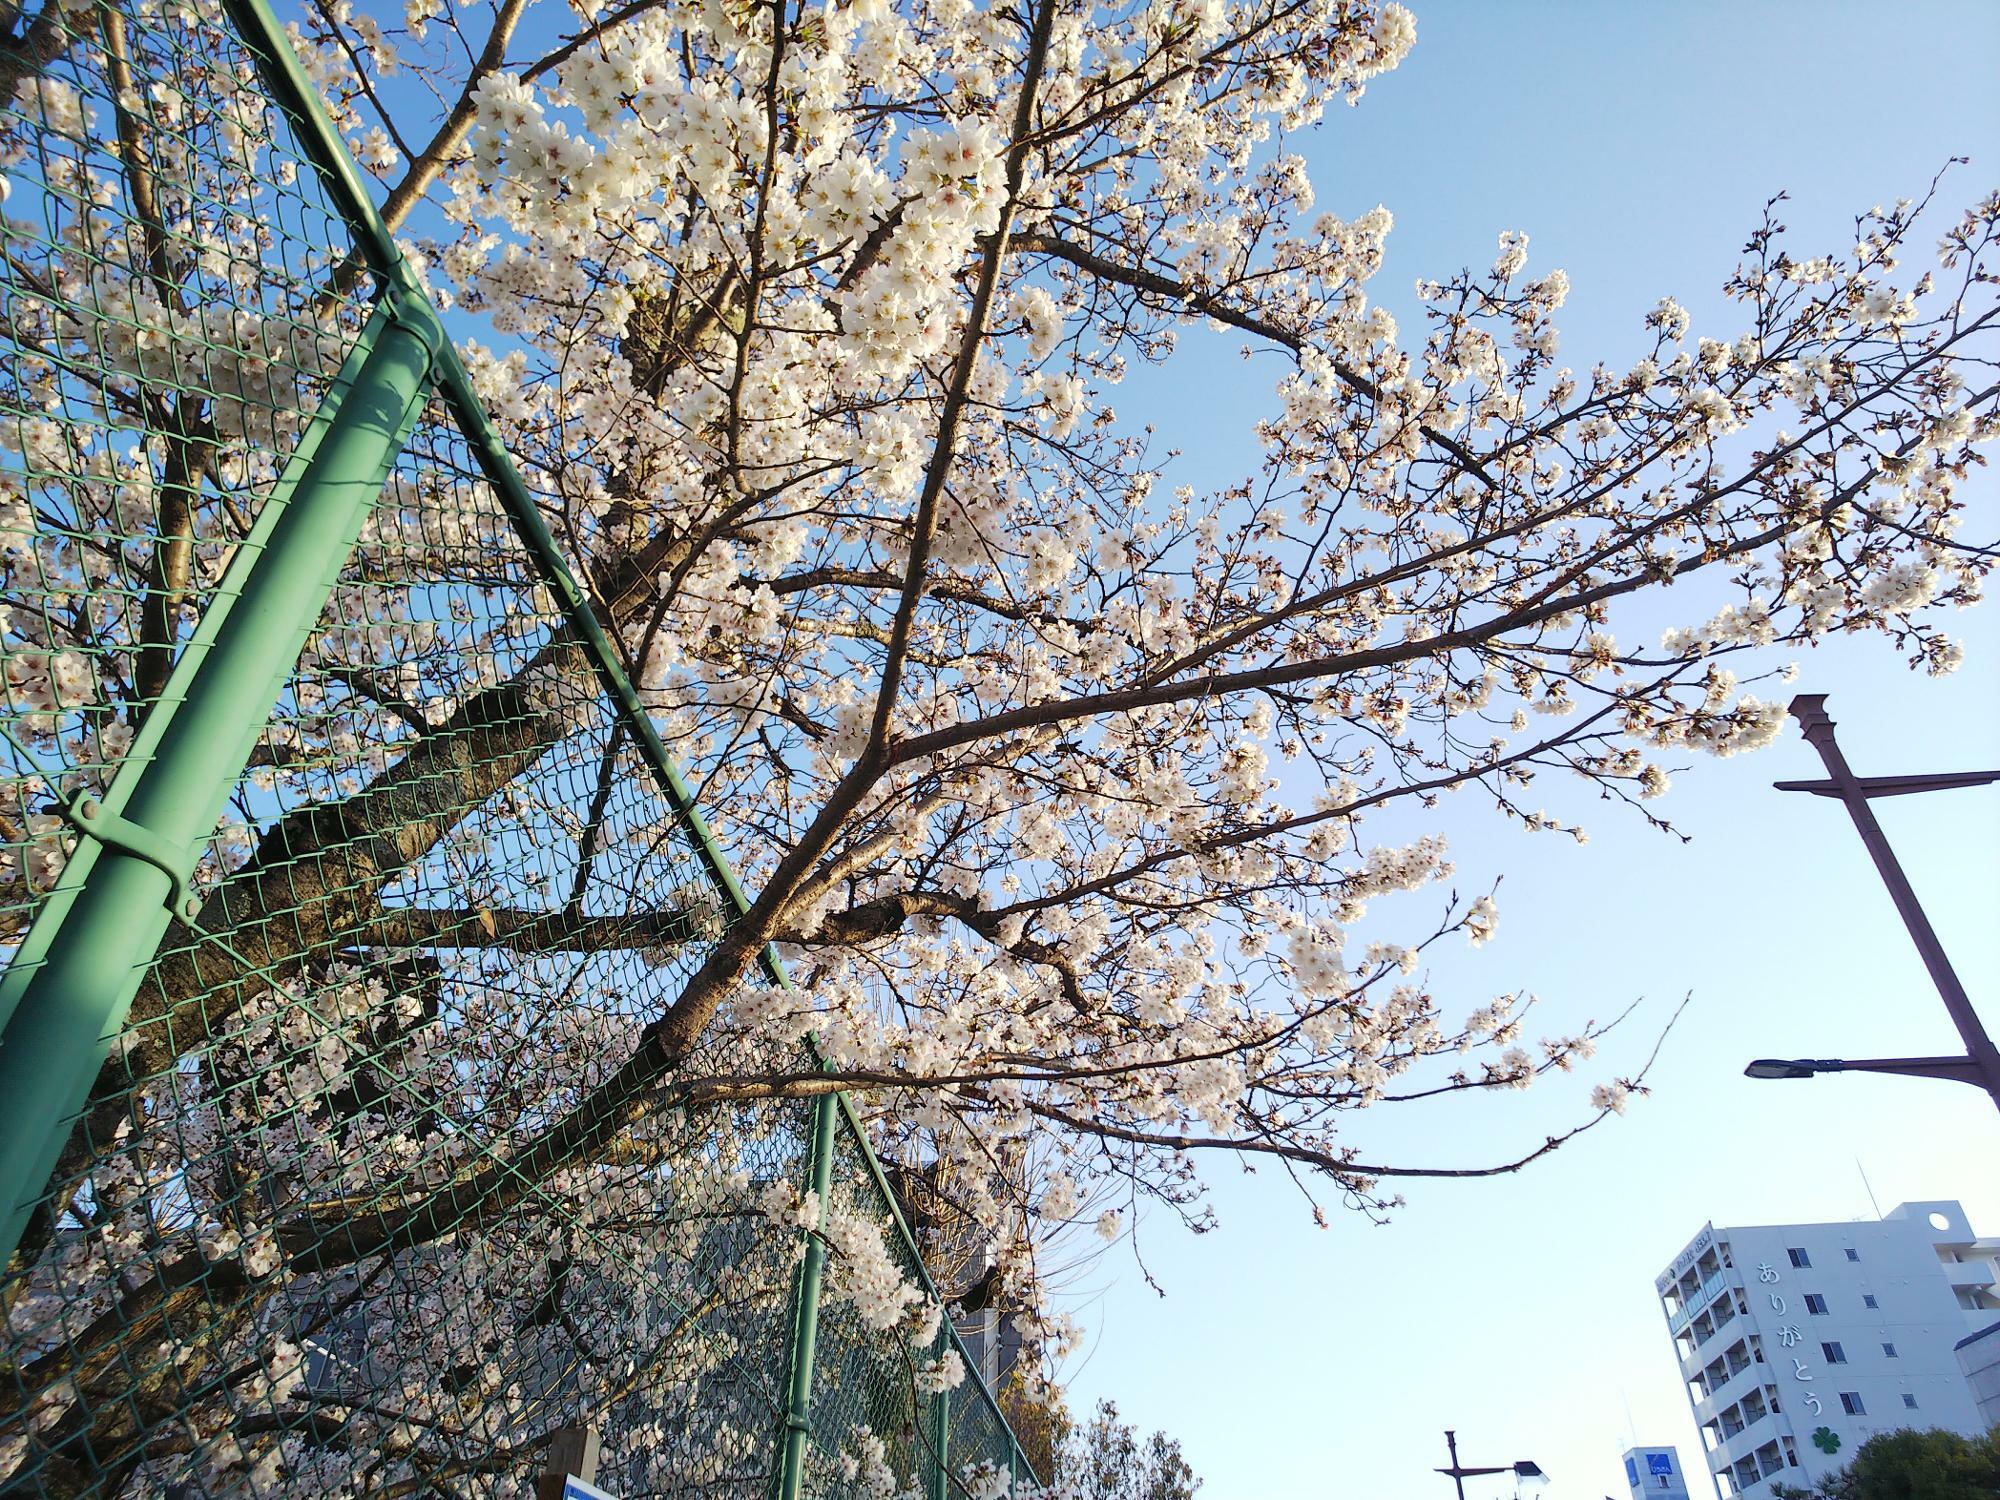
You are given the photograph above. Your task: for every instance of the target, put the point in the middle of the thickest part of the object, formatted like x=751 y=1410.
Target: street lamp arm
x=1964 y=1069
x=1894 y=786
x=1957 y=1069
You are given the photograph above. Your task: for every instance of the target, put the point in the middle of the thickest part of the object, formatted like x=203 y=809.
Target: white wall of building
x=1799 y=1342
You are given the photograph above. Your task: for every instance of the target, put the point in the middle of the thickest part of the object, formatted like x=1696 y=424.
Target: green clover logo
x=1826 y=1440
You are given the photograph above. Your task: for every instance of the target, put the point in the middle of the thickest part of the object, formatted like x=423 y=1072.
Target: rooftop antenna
x=1871 y=1191
x=1631 y=1427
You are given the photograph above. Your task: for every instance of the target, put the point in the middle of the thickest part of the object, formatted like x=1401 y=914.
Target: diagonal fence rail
x=340 y=866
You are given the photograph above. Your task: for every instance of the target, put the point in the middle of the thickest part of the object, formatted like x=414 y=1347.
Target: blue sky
x=1636 y=145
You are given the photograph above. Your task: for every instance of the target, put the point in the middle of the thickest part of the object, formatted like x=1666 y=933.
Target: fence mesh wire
x=172 y=312
x=306 y=1236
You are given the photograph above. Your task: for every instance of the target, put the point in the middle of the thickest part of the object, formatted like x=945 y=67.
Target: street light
x=1528 y=1476
x=1960 y=1069
x=1790 y=1067
x=1980 y=1063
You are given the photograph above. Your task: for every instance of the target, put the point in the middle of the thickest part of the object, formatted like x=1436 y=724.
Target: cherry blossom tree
x=1106 y=1459
x=1056 y=783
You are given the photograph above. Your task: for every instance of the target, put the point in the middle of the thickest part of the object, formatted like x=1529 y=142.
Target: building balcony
x=1696 y=1360
x=1747 y=1439
x=1720 y=1335
x=1968 y=1273
x=1729 y=1390
x=1701 y=1297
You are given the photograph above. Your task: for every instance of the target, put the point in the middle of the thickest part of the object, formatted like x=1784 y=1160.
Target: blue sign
x=1659 y=1463
x=1631 y=1472
x=583 y=1489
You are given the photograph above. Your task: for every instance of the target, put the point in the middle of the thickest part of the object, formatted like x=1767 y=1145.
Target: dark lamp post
x=1528 y=1475
x=1980 y=1064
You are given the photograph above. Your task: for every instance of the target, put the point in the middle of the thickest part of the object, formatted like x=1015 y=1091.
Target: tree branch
x=1153 y=283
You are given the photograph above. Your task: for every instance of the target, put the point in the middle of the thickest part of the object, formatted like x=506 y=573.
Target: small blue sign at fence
x=583 y=1489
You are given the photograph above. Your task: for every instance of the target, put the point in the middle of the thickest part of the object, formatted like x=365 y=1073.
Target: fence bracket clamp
x=93 y=820
x=409 y=309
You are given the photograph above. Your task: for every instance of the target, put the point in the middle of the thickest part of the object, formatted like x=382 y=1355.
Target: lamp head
x=1782 y=1067
x=1528 y=1477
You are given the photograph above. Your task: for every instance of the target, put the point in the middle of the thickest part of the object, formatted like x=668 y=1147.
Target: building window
x=1852 y=1253
x=1834 y=1354
x=1889 y=1351
x=1909 y=1401
x=1800 y=1259
x=1868 y=1300
x=1850 y=1402
x=1816 y=1304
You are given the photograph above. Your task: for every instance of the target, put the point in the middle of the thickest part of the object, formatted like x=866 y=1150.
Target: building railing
x=1692 y=1306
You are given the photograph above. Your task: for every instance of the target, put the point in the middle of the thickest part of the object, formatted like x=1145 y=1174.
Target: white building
x=1655 y=1474
x=1800 y=1341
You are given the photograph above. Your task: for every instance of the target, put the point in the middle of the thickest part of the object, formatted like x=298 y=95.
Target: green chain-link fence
x=340 y=870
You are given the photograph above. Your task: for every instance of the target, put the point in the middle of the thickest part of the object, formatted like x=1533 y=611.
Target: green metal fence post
x=67 y=993
x=940 y=1485
x=805 y=1326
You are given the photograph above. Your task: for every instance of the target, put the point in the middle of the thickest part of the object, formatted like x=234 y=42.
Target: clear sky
x=1636 y=144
